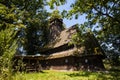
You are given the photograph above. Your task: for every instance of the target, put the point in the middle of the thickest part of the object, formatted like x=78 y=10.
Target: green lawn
x=68 y=75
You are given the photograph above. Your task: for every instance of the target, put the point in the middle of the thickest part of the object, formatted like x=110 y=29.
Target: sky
x=81 y=19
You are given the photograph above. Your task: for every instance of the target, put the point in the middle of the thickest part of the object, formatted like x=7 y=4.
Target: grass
x=112 y=73
x=68 y=75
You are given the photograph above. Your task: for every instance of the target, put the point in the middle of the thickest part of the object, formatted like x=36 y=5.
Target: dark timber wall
x=73 y=63
x=93 y=62
x=65 y=63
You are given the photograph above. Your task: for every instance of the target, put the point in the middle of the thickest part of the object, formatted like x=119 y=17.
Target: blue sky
x=81 y=19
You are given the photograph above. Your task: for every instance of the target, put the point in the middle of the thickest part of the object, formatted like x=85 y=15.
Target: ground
x=69 y=75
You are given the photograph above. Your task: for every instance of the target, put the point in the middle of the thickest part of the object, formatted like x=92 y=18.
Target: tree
x=9 y=28
x=32 y=14
x=35 y=36
x=104 y=12
x=17 y=19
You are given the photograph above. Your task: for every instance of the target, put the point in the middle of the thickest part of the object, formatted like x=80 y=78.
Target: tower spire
x=56 y=25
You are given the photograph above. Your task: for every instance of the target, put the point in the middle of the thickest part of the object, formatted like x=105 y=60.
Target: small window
x=66 y=60
x=86 y=60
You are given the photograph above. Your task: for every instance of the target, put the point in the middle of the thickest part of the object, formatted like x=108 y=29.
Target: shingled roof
x=63 y=38
x=91 y=44
x=70 y=52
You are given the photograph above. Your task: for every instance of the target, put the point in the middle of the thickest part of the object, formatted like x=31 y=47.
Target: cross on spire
x=56 y=7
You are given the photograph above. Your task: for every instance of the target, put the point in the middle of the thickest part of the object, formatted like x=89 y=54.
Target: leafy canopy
x=55 y=14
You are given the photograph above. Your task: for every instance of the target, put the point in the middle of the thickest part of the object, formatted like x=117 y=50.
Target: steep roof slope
x=63 y=38
x=91 y=45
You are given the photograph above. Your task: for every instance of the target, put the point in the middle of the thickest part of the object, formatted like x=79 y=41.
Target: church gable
x=61 y=41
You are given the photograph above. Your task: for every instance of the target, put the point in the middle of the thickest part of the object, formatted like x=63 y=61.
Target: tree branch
x=106 y=15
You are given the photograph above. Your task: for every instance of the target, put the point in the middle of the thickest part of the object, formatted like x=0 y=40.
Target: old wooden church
x=59 y=55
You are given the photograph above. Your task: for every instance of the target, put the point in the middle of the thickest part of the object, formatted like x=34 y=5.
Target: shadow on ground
x=102 y=75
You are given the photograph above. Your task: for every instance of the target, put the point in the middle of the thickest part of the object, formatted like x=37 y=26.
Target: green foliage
x=32 y=14
x=55 y=15
x=102 y=12
x=51 y=3
x=9 y=27
x=35 y=33
x=27 y=18
x=7 y=50
x=16 y=17
x=78 y=38
x=6 y=70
